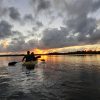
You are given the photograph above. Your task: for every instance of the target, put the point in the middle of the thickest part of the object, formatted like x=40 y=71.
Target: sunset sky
x=63 y=25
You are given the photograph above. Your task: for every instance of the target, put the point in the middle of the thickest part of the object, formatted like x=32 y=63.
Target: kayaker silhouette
x=33 y=58
x=27 y=57
x=30 y=57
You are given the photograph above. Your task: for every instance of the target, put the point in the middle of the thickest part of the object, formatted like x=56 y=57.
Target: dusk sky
x=48 y=24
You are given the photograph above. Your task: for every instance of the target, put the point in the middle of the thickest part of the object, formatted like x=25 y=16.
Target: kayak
x=30 y=64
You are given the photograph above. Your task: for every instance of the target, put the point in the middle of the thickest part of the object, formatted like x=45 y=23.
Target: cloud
x=16 y=45
x=39 y=24
x=78 y=16
x=82 y=24
x=95 y=37
x=19 y=44
x=28 y=17
x=76 y=20
x=79 y=21
x=95 y=5
x=3 y=10
x=32 y=43
x=41 y=4
x=54 y=38
x=14 y=14
x=5 y=29
x=76 y=27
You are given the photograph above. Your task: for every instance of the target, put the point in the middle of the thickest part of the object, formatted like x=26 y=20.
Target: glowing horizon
x=95 y=47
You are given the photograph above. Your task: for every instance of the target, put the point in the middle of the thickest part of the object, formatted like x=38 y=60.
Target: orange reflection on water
x=44 y=57
x=74 y=59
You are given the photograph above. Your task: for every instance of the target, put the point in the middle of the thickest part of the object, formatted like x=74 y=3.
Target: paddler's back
x=28 y=58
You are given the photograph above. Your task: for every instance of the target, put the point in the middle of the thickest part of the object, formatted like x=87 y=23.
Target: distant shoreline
x=79 y=54
x=11 y=55
x=5 y=55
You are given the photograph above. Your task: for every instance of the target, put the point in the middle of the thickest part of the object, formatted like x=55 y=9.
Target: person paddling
x=33 y=58
x=27 y=57
x=30 y=57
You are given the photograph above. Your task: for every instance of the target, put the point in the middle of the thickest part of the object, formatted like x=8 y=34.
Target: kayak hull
x=30 y=65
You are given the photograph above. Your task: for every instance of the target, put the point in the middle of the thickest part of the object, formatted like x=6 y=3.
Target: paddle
x=42 y=59
x=12 y=63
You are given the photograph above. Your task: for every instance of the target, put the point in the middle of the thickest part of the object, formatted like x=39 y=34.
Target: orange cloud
x=39 y=51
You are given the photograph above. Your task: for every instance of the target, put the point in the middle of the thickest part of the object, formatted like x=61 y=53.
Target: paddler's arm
x=23 y=58
x=36 y=57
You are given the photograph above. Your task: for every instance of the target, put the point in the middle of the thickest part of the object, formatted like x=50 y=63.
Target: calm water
x=59 y=78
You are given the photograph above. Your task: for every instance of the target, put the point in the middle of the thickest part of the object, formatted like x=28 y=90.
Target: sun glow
x=39 y=51
x=4 y=43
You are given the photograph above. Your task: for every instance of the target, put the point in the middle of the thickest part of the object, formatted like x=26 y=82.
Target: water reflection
x=60 y=78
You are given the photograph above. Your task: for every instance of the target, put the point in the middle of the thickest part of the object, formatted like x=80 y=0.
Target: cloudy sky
x=49 y=24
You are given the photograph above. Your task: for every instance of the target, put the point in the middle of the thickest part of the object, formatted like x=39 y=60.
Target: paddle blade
x=12 y=63
x=43 y=60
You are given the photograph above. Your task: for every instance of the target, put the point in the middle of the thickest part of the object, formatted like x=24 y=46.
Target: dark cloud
x=40 y=6
x=95 y=37
x=14 y=13
x=19 y=44
x=43 y=5
x=39 y=24
x=96 y=5
x=89 y=39
x=34 y=29
x=5 y=29
x=16 y=44
x=54 y=38
x=33 y=43
x=78 y=15
x=82 y=24
x=28 y=17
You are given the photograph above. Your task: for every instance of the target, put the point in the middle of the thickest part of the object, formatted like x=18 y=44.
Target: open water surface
x=58 y=78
